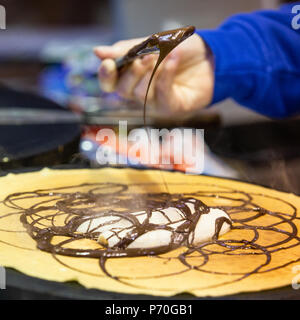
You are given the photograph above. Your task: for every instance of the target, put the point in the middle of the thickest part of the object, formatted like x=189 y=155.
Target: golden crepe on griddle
x=47 y=210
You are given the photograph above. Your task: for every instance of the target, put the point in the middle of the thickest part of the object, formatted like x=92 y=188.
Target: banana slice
x=139 y=230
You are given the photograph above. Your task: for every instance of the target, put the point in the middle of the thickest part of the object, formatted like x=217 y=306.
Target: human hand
x=183 y=83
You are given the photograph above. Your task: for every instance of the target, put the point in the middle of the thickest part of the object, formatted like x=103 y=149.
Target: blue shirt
x=257 y=60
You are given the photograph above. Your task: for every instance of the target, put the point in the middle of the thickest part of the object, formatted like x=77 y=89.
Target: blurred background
x=47 y=63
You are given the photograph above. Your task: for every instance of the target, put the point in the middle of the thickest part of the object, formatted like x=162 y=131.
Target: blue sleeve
x=257 y=60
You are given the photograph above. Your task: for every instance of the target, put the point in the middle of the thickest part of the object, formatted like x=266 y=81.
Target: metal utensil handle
x=125 y=61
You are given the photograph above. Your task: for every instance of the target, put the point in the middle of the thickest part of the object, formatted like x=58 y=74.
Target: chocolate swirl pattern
x=256 y=246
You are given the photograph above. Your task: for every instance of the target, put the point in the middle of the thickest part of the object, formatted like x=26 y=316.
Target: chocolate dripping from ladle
x=162 y=43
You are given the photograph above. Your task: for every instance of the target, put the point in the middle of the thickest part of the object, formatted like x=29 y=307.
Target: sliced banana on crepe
x=159 y=227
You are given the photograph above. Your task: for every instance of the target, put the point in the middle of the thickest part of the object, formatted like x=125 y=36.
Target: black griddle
x=20 y=286
x=35 y=144
x=256 y=142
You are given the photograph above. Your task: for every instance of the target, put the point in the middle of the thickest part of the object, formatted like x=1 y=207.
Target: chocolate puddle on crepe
x=57 y=208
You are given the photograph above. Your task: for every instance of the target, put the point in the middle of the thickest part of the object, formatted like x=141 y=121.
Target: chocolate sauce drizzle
x=165 y=41
x=73 y=207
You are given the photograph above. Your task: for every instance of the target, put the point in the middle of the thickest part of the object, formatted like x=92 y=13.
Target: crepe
x=258 y=253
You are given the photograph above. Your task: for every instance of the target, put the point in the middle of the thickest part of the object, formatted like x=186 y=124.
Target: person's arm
x=257 y=61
